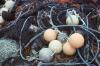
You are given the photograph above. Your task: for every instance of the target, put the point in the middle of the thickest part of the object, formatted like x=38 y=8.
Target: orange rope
x=64 y=1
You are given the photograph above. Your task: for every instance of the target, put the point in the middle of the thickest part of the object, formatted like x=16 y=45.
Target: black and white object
x=3 y=9
x=1 y=20
x=2 y=2
x=9 y=4
x=7 y=16
x=33 y=28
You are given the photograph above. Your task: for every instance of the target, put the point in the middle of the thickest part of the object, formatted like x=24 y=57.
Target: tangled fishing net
x=37 y=16
x=8 y=48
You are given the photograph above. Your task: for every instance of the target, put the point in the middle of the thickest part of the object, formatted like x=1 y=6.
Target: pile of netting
x=34 y=17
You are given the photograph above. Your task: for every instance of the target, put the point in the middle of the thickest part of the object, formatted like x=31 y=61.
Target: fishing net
x=37 y=16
